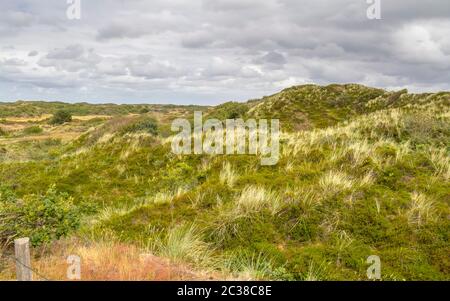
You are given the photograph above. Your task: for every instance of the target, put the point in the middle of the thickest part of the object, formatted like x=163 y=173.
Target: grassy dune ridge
x=362 y=172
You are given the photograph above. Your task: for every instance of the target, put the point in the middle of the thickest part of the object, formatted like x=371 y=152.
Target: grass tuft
x=227 y=175
x=249 y=267
x=421 y=209
x=184 y=244
x=336 y=181
x=256 y=198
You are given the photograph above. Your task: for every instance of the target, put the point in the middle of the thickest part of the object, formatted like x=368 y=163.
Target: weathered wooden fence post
x=23 y=260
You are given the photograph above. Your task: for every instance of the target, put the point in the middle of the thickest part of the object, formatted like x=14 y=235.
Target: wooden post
x=23 y=261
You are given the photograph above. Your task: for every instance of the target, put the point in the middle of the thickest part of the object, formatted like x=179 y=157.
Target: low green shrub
x=146 y=125
x=33 y=130
x=229 y=110
x=61 y=117
x=41 y=218
x=144 y=110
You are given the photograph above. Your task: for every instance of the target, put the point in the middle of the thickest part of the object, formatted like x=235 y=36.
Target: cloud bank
x=210 y=51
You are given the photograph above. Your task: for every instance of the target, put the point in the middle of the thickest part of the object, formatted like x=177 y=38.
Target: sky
x=212 y=51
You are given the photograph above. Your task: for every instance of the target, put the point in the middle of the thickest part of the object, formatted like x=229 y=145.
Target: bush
x=61 y=117
x=33 y=130
x=142 y=125
x=41 y=218
x=229 y=110
x=3 y=132
x=144 y=110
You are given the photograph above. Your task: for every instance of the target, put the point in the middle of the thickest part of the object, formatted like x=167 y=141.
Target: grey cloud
x=230 y=5
x=13 y=62
x=219 y=67
x=416 y=9
x=33 y=53
x=140 y=24
x=147 y=67
x=72 y=58
x=68 y=53
x=197 y=40
x=112 y=67
x=117 y=31
x=222 y=49
x=273 y=59
x=18 y=19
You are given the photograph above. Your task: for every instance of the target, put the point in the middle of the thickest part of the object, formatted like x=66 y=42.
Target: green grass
x=362 y=172
x=33 y=130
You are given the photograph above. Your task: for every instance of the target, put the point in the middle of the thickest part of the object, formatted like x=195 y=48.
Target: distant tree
x=142 y=125
x=144 y=110
x=61 y=117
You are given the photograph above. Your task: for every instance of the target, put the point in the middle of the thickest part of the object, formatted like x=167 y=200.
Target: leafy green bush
x=143 y=125
x=33 y=130
x=42 y=218
x=229 y=110
x=144 y=110
x=61 y=117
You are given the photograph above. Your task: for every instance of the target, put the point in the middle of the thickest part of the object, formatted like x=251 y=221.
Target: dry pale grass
x=90 y=117
x=336 y=181
x=441 y=162
x=316 y=272
x=255 y=198
x=110 y=213
x=421 y=210
x=360 y=151
x=168 y=197
x=164 y=197
x=367 y=180
x=304 y=197
x=184 y=243
x=289 y=166
x=248 y=267
x=197 y=199
x=105 y=138
x=107 y=261
x=63 y=136
x=14 y=127
x=28 y=119
x=355 y=132
x=227 y=175
x=251 y=201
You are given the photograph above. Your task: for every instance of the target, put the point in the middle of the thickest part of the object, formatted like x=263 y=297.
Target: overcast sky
x=211 y=51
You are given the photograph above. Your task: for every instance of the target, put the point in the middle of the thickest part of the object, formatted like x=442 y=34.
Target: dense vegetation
x=42 y=218
x=362 y=172
x=61 y=117
x=38 y=108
